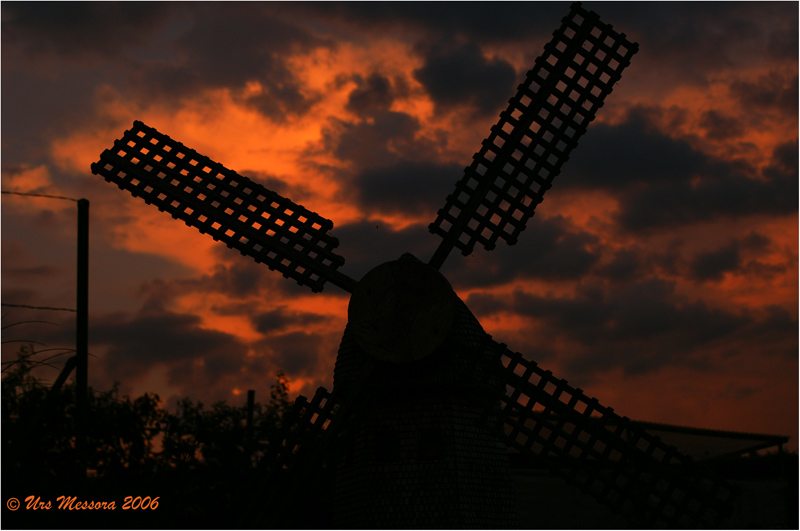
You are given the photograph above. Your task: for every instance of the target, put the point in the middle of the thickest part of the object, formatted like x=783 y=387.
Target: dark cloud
x=167 y=50
x=296 y=353
x=713 y=265
x=368 y=244
x=639 y=327
x=668 y=204
x=721 y=127
x=377 y=143
x=462 y=76
x=139 y=342
x=228 y=47
x=391 y=170
x=775 y=334
x=406 y=187
x=693 y=40
x=663 y=182
x=240 y=276
x=549 y=249
x=35 y=105
x=75 y=29
x=625 y=265
x=775 y=91
x=281 y=318
x=634 y=154
x=783 y=42
x=483 y=22
x=375 y=93
x=784 y=165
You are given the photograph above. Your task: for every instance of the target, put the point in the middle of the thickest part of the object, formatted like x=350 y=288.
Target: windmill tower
x=425 y=404
x=423 y=448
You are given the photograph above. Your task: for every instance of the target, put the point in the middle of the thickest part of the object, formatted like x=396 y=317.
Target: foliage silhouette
x=197 y=460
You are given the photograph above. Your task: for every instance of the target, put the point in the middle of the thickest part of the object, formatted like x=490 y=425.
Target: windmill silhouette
x=425 y=404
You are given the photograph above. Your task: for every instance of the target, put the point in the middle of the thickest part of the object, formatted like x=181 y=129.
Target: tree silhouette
x=198 y=461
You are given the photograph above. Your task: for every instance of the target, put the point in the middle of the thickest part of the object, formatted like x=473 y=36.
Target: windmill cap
x=401 y=311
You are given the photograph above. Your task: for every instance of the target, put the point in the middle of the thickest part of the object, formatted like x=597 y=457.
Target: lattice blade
x=534 y=136
x=618 y=463
x=295 y=459
x=308 y=438
x=303 y=428
x=231 y=208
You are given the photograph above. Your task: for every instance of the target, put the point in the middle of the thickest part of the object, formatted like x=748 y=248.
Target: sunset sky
x=659 y=274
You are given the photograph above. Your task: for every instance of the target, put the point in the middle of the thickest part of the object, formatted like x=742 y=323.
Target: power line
x=42 y=195
x=39 y=307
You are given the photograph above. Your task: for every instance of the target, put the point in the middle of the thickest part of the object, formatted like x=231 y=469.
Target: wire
x=26 y=322
x=39 y=307
x=41 y=195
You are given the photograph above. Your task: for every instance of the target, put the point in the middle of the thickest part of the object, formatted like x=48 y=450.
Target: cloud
x=375 y=93
x=368 y=244
x=151 y=338
x=721 y=127
x=462 y=76
x=161 y=52
x=713 y=264
x=664 y=205
x=551 y=249
x=409 y=187
x=626 y=264
x=381 y=141
x=72 y=30
x=774 y=91
x=226 y=48
x=469 y=21
x=391 y=170
x=695 y=41
x=661 y=182
x=296 y=353
x=280 y=318
x=640 y=327
x=634 y=154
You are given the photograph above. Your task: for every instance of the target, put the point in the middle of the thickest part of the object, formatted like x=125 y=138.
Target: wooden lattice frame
x=617 y=462
x=304 y=427
x=534 y=136
x=229 y=207
x=295 y=456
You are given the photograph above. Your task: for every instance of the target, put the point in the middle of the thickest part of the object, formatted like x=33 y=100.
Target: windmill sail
x=307 y=439
x=616 y=462
x=231 y=208
x=293 y=461
x=534 y=136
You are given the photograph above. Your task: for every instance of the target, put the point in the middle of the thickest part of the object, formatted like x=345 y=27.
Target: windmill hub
x=401 y=311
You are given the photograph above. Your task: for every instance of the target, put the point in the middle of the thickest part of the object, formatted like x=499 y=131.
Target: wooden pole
x=82 y=337
x=251 y=402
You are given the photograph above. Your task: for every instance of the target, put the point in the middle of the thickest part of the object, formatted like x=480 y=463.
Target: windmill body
x=425 y=404
x=422 y=448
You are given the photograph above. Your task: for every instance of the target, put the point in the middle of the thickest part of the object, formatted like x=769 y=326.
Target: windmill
x=425 y=404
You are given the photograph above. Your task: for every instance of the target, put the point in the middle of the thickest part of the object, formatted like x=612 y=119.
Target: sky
x=659 y=274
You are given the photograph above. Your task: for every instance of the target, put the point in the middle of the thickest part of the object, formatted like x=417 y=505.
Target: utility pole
x=82 y=337
x=248 y=437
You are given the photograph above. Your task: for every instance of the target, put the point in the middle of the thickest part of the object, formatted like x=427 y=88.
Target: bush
x=202 y=463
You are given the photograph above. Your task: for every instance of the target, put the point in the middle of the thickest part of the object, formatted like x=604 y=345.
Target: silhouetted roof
x=702 y=443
